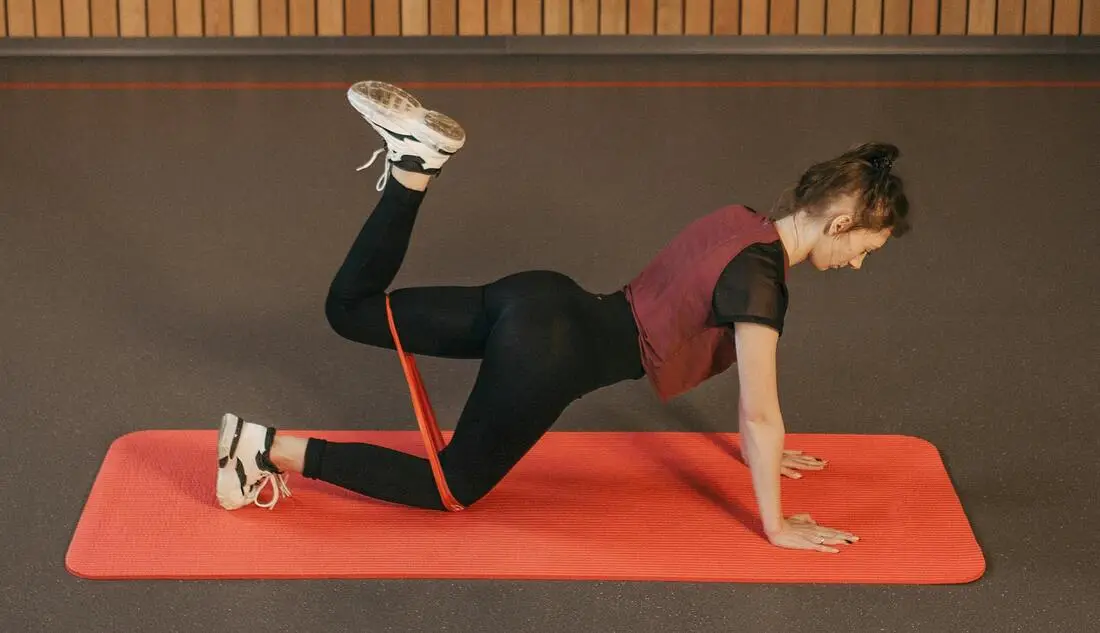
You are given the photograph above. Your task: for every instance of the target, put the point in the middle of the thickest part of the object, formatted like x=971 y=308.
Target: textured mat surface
x=582 y=505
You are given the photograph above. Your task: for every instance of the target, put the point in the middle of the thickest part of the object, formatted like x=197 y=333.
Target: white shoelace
x=385 y=172
x=279 y=484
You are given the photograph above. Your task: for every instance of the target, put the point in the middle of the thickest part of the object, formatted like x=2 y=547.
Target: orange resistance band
x=425 y=417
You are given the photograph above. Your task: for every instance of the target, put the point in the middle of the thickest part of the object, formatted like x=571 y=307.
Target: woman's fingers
x=804 y=459
x=790 y=472
x=795 y=459
x=820 y=544
x=833 y=537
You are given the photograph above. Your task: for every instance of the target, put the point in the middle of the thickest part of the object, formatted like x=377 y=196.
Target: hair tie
x=882 y=163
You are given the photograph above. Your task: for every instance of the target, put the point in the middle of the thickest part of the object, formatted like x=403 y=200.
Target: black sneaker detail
x=236 y=438
x=263 y=460
x=241 y=476
x=397 y=135
x=415 y=164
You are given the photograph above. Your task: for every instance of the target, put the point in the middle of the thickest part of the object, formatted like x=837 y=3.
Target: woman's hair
x=864 y=171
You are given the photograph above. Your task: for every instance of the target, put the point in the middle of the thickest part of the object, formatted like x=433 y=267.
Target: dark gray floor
x=166 y=255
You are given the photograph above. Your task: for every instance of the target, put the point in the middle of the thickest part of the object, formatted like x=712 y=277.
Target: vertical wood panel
x=502 y=18
x=727 y=17
x=840 y=17
x=528 y=17
x=387 y=17
x=868 y=17
x=555 y=17
x=160 y=16
x=104 y=18
x=982 y=17
x=189 y=18
x=811 y=17
x=613 y=17
x=21 y=18
x=1010 y=17
x=273 y=19
x=697 y=17
x=1090 y=18
x=358 y=17
x=3 y=19
x=670 y=17
x=925 y=17
x=642 y=17
x=76 y=15
x=303 y=17
x=47 y=18
x=1037 y=15
x=330 y=18
x=471 y=17
x=586 y=17
x=1067 y=17
x=414 y=17
x=895 y=17
x=443 y=17
x=782 y=17
x=754 y=17
x=217 y=18
x=953 y=17
x=133 y=18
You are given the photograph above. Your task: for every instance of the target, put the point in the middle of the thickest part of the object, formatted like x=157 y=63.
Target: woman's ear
x=838 y=225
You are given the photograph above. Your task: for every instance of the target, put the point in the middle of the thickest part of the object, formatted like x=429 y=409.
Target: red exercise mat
x=661 y=506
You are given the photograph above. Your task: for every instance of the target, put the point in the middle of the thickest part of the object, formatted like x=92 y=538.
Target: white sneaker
x=417 y=139
x=244 y=465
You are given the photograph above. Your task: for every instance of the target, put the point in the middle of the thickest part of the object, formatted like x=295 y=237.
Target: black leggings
x=543 y=340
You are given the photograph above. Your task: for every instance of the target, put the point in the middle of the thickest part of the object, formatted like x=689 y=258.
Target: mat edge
x=963 y=580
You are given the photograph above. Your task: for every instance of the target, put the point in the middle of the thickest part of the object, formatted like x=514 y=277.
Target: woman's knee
x=365 y=321
x=467 y=489
x=337 y=314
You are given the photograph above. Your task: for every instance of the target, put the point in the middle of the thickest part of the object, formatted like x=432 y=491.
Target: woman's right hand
x=802 y=532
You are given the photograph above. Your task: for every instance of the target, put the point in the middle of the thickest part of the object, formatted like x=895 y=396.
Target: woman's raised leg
x=445 y=321
x=440 y=321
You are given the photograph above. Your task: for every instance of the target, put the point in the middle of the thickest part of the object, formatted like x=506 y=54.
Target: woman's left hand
x=794 y=461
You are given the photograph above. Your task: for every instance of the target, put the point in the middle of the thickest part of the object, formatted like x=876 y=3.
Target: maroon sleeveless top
x=725 y=267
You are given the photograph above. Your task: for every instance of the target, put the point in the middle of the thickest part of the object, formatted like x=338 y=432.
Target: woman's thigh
x=538 y=360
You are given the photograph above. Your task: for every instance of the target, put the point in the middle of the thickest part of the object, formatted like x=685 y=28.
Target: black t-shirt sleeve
x=753 y=288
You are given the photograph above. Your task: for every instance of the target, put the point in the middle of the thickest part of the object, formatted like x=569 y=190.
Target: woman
x=713 y=295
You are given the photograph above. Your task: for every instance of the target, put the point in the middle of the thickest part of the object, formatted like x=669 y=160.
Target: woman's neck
x=794 y=233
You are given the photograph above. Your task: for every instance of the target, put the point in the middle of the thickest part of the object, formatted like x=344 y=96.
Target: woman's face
x=841 y=246
x=847 y=249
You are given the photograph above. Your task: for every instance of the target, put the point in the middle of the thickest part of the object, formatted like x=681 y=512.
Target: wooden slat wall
x=307 y=18
x=1010 y=17
x=1090 y=18
x=811 y=17
x=21 y=18
x=1037 y=17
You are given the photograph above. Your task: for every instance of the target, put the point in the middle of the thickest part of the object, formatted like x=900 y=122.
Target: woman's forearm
x=762 y=445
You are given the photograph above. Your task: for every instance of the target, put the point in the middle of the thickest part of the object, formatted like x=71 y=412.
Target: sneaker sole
x=396 y=110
